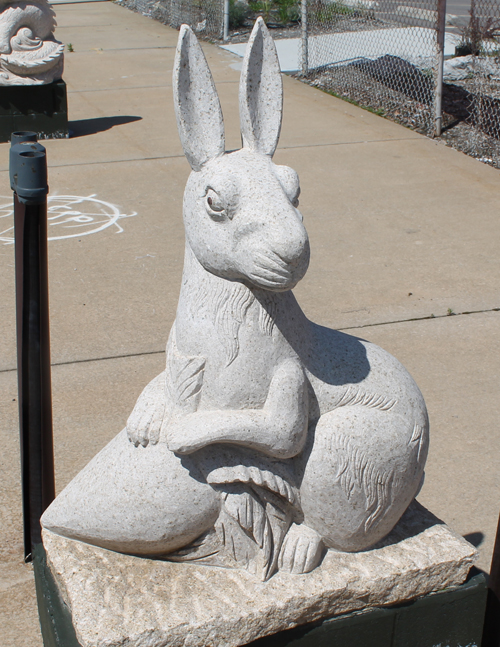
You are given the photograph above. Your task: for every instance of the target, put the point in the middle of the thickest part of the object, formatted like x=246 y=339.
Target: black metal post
x=491 y=635
x=28 y=175
x=494 y=581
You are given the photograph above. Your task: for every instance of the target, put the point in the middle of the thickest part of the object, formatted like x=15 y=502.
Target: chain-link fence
x=473 y=80
x=205 y=17
x=383 y=55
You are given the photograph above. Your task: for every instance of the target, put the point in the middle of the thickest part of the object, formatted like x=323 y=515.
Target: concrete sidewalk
x=403 y=231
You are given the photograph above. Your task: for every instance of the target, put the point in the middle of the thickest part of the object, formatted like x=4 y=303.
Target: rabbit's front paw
x=181 y=438
x=301 y=550
x=144 y=427
x=145 y=421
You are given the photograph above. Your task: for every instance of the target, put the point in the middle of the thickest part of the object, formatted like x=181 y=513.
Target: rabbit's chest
x=240 y=361
x=241 y=349
x=239 y=377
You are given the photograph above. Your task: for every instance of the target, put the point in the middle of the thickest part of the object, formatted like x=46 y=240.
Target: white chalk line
x=95 y=214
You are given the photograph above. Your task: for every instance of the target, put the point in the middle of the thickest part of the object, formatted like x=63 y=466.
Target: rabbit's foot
x=301 y=551
x=145 y=421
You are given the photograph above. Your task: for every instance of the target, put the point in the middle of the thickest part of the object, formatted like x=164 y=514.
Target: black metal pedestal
x=42 y=109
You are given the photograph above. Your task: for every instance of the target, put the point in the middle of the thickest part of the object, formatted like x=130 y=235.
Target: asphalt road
x=455 y=7
x=460 y=7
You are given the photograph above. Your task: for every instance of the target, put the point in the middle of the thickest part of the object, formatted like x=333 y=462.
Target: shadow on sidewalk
x=84 y=127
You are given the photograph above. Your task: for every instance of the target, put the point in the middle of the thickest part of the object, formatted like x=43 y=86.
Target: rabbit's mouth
x=270 y=272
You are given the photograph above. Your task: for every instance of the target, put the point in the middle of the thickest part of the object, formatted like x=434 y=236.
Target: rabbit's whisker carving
x=267 y=271
x=272 y=262
x=268 y=280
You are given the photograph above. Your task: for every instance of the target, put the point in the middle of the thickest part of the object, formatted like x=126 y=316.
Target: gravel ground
x=473 y=142
x=472 y=111
x=351 y=84
x=398 y=90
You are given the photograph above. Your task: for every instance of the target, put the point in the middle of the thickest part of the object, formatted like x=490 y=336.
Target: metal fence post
x=225 y=35
x=441 y=27
x=28 y=177
x=305 y=53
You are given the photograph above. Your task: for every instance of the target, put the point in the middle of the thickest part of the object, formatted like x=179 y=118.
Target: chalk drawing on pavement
x=68 y=216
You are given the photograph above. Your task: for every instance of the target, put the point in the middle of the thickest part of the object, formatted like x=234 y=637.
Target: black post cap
x=23 y=136
x=28 y=172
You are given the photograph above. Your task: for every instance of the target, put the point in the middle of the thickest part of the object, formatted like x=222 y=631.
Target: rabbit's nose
x=293 y=246
x=296 y=256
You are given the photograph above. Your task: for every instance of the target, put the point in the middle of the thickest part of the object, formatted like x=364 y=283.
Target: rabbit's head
x=240 y=209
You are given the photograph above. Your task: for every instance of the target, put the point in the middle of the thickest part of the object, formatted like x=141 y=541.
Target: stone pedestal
x=42 y=109
x=117 y=599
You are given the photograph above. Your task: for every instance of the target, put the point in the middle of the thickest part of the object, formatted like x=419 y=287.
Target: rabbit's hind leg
x=136 y=500
x=363 y=470
x=301 y=550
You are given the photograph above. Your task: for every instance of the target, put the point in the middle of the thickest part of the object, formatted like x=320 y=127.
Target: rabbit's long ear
x=261 y=92
x=197 y=107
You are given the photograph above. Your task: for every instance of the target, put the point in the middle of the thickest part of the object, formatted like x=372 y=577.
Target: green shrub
x=330 y=12
x=238 y=13
x=262 y=7
x=283 y=11
x=288 y=10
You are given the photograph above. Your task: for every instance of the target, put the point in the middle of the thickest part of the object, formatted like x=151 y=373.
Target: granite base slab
x=117 y=599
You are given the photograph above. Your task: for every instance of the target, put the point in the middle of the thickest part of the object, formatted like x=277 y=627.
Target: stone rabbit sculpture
x=267 y=439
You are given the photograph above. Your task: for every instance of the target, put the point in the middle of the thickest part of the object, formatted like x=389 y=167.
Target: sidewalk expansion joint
x=361 y=141
x=95 y=359
x=132 y=159
x=121 y=49
x=371 y=325
x=181 y=156
x=135 y=87
x=443 y=316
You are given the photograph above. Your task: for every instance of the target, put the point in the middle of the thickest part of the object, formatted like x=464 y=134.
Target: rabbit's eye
x=214 y=205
